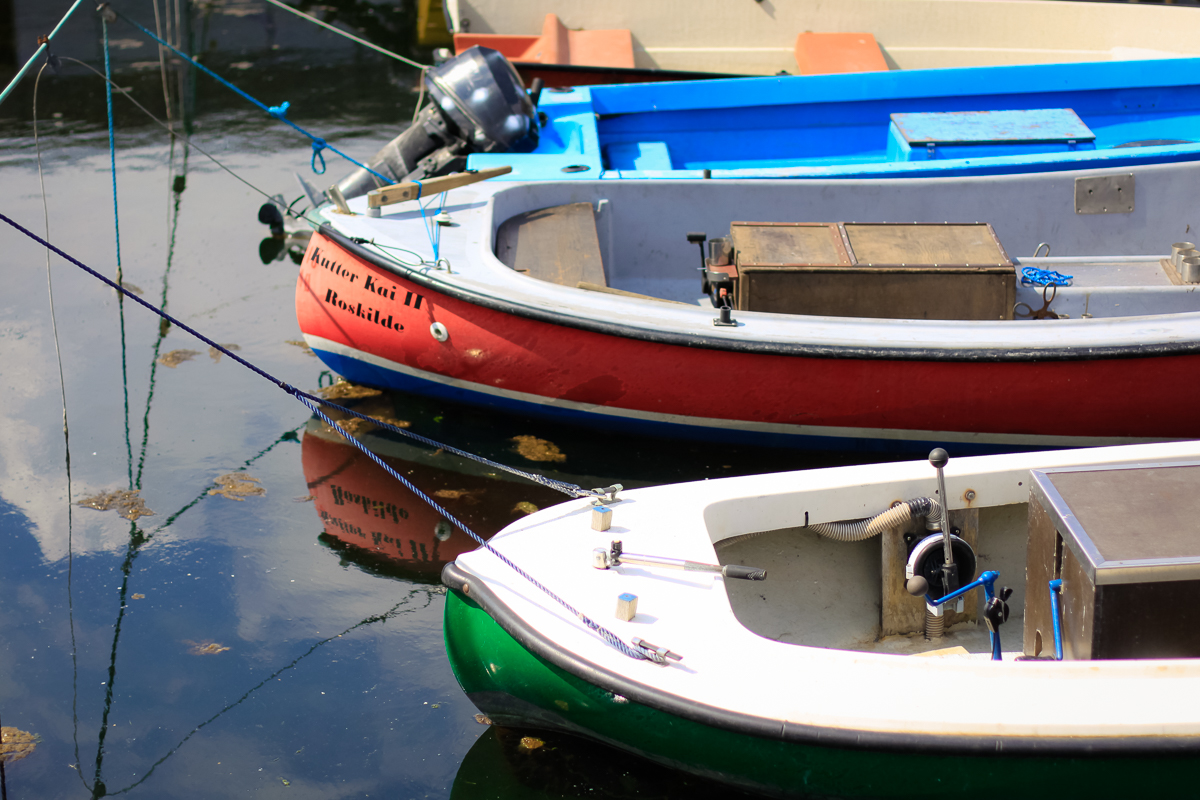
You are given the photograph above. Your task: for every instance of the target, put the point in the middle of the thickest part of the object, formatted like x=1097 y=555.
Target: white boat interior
x=615 y=249
x=831 y=633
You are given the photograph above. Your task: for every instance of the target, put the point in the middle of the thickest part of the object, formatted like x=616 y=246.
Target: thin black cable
x=311 y=401
x=3 y=781
x=182 y=137
x=604 y=633
x=562 y=486
x=62 y=386
x=138 y=538
x=389 y=614
x=569 y=489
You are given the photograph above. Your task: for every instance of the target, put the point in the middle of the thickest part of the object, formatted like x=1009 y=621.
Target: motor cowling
x=479 y=106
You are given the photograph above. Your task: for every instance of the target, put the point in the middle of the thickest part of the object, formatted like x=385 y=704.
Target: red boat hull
x=372 y=325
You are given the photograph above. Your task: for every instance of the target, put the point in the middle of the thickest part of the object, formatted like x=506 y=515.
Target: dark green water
x=224 y=647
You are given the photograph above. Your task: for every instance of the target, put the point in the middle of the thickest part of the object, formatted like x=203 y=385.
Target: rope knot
x=318 y=144
x=1032 y=276
x=279 y=111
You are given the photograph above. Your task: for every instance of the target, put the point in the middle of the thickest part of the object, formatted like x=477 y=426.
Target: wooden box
x=877 y=270
x=1125 y=540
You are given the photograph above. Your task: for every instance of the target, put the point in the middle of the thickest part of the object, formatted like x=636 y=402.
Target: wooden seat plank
x=557 y=244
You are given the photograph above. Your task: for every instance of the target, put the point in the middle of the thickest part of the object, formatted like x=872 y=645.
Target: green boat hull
x=516 y=687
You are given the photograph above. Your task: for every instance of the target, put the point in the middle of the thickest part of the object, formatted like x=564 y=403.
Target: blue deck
x=1089 y=115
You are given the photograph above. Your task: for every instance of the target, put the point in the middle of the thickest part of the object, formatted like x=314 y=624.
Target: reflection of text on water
x=376 y=508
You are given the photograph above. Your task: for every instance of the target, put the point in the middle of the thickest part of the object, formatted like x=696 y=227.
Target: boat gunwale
x=799 y=349
x=456 y=579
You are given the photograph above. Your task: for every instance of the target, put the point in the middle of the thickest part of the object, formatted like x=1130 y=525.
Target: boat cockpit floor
x=567 y=245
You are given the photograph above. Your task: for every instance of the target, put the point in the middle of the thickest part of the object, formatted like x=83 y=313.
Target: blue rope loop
x=1032 y=276
x=318 y=145
x=432 y=229
x=312 y=402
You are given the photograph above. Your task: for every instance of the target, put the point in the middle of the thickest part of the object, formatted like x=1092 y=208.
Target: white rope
x=348 y=35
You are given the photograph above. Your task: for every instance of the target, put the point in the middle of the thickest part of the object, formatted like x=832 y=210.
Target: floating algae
x=529 y=744
x=139 y=597
x=483 y=719
x=536 y=449
x=468 y=495
x=303 y=345
x=176 y=357
x=355 y=425
x=126 y=502
x=206 y=648
x=345 y=390
x=16 y=744
x=524 y=507
x=237 y=486
x=216 y=354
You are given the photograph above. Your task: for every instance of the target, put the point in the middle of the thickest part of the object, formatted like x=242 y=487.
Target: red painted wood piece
x=557 y=45
x=825 y=53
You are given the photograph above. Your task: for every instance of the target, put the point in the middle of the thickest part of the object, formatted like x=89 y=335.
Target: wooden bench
x=557 y=244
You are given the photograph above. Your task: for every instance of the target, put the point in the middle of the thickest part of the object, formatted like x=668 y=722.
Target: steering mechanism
x=937 y=565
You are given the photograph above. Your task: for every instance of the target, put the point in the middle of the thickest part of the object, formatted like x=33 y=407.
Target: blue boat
x=899 y=124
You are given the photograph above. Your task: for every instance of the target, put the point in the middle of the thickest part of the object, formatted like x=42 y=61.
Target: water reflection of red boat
x=364 y=508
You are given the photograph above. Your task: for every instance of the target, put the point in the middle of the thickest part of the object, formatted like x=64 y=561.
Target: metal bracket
x=658 y=655
x=1104 y=194
x=606 y=496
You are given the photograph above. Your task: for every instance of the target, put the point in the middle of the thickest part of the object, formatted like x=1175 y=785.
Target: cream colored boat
x=760 y=38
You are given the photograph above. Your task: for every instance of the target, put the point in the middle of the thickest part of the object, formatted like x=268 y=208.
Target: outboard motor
x=479 y=106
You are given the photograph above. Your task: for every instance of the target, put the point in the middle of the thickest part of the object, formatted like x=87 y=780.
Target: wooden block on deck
x=557 y=244
x=824 y=53
x=558 y=44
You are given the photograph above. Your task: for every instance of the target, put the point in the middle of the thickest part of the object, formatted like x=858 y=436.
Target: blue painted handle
x=987 y=580
x=1055 y=591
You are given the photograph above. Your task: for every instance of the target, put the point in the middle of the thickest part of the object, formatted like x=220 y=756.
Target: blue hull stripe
x=362 y=371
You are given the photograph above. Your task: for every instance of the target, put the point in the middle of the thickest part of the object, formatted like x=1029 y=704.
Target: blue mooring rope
x=1032 y=276
x=312 y=401
x=604 y=633
x=279 y=112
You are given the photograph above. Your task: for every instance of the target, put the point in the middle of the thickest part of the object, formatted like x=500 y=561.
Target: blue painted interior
x=841 y=125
